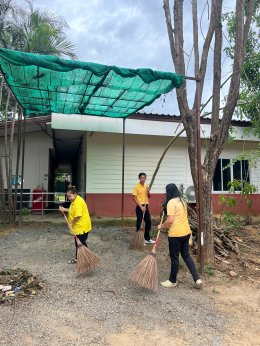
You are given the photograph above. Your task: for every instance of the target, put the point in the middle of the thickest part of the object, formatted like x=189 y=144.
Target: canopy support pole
x=199 y=181
x=123 y=173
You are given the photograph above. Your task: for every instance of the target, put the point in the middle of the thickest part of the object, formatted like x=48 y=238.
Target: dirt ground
x=103 y=308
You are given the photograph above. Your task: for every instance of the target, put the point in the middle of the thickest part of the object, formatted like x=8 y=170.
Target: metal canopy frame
x=199 y=175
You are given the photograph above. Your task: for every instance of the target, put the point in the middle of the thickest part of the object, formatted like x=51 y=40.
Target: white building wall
x=36 y=158
x=104 y=162
x=255 y=175
x=143 y=154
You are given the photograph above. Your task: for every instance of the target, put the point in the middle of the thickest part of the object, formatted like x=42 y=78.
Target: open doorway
x=62 y=181
x=66 y=164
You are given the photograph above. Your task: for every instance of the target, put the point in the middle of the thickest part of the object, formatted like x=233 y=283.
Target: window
x=226 y=171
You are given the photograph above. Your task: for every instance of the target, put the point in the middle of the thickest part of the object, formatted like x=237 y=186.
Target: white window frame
x=231 y=176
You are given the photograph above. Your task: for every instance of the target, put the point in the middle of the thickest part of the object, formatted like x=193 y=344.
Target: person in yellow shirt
x=179 y=233
x=141 y=196
x=79 y=219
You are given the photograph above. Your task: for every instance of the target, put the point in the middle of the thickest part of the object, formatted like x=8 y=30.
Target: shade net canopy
x=46 y=84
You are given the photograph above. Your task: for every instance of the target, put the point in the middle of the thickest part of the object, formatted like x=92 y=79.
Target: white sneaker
x=149 y=241
x=198 y=283
x=168 y=284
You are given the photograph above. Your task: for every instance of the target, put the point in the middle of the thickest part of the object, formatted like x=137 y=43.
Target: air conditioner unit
x=190 y=194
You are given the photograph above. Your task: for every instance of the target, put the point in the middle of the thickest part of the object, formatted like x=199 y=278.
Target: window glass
x=226 y=174
x=237 y=172
x=245 y=171
x=217 y=185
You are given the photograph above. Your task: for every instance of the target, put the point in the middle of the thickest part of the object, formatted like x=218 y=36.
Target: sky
x=131 y=33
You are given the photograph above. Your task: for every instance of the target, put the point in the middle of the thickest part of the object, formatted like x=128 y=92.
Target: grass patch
x=209 y=271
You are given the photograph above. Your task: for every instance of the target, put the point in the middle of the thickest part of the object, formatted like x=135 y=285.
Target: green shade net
x=46 y=84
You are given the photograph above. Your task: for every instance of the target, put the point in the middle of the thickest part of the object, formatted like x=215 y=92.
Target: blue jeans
x=179 y=245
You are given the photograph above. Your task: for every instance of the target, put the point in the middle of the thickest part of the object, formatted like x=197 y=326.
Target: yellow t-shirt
x=79 y=208
x=180 y=226
x=141 y=193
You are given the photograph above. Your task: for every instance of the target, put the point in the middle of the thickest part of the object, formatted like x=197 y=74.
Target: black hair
x=72 y=189
x=140 y=174
x=172 y=192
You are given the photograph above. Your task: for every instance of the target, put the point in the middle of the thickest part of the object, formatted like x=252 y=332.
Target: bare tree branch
x=217 y=67
x=195 y=37
x=249 y=16
x=178 y=34
x=210 y=98
x=176 y=46
x=163 y=154
x=206 y=47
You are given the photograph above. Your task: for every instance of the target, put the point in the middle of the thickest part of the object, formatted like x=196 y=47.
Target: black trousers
x=147 y=220
x=179 y=245
x=83 y=238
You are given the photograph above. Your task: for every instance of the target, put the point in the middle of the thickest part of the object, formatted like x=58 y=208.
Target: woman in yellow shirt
x=179 y=233
x=79 y=219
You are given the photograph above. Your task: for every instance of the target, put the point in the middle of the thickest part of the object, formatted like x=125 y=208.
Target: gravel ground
x=101 y=308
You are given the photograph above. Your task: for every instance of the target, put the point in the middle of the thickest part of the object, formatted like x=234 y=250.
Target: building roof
x=177 y=118
x=43 y=120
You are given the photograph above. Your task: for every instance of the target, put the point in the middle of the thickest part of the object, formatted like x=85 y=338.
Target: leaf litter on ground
x=18 y=283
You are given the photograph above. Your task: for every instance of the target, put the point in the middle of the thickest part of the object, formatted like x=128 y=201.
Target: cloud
x=129 y=34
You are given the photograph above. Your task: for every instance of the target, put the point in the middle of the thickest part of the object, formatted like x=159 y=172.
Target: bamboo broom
x=137 y=242
x=86 y=259
x=145 y=274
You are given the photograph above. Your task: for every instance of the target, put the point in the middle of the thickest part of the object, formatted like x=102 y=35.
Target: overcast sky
x=128 y=33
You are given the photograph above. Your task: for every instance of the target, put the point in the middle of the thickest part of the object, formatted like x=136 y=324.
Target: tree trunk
x=2 y=193
x=219 y=128
x=207 y=219
x=2 y=190
x=17 y=158
x=10 y=174
x=7 y=153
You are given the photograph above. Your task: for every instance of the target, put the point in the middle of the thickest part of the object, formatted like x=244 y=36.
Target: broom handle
x=65 y=217
x=158 y=235
x=142 y=224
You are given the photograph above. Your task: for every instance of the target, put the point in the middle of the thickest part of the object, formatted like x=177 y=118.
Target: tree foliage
x=249 y=99
x=28 y=29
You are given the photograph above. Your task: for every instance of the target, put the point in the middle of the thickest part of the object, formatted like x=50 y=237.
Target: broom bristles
x=145 y=273
x=86 y=260
x=137 y=242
